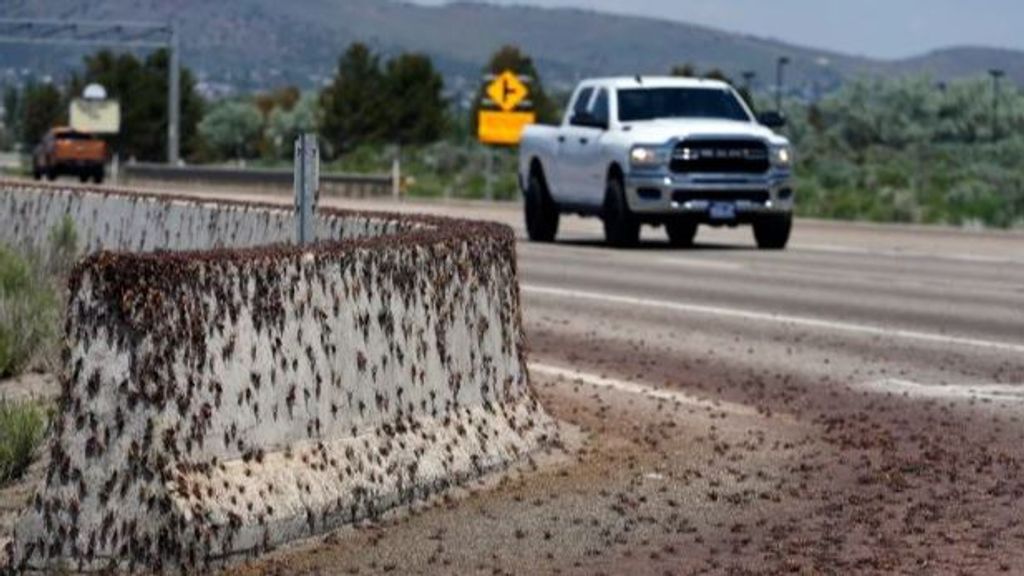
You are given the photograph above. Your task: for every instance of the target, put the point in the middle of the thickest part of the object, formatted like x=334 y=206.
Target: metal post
x=307 y=187
x=489 y=175
x=396 y=178
x=173 y=100
x=779 y=68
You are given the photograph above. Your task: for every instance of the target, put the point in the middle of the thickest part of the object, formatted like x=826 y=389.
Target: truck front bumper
x=664 y=195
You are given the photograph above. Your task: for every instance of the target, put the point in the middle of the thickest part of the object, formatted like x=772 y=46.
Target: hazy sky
x=881 y=28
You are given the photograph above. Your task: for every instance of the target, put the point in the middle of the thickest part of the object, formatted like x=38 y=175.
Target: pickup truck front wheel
x=772 y=232
x=621 y=228
x=541 y=212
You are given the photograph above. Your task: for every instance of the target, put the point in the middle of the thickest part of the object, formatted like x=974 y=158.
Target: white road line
x=999 y=392
x=778 y=318
x=954 y=256
x=634 y=388
x=698 y=263
x=602 y=255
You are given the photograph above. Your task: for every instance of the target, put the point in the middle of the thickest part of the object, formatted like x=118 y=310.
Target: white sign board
x=96 y=116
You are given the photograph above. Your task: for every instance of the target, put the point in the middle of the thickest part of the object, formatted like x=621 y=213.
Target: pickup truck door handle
x=561 y=138
x=584 y=140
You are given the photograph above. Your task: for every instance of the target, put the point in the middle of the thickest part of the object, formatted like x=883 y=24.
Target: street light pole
x=748 y=87
x=780 y=65
x=748 y=80
x=996 y=74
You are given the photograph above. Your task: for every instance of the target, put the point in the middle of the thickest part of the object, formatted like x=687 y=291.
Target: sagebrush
x=22 y=429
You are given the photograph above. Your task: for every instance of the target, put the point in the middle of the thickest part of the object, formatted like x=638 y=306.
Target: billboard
x=96 y=116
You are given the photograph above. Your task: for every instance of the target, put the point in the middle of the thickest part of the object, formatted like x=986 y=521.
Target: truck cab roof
x=618 y=82
x=68 y=132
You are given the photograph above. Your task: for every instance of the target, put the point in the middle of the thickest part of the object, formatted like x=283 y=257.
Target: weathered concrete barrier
x=217 y=403
x=125 y=221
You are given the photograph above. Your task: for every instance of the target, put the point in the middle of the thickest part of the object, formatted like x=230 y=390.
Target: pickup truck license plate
x=723 y=211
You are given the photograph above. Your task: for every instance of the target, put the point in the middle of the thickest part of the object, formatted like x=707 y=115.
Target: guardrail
x=259 y=179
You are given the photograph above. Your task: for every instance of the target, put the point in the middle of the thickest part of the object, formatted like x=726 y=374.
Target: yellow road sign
x=507 y=91
x=495 y=127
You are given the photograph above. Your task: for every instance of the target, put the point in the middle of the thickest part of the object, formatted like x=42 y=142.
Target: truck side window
x=600 y=108
x=582 y=102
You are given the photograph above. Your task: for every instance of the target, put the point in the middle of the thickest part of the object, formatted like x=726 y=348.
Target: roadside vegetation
x=28 y=313
x=22 y=429
x=897 y=150
x=31 y=310
x=913 y=151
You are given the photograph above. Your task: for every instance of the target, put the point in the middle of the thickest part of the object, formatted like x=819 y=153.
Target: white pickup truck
x=670 y=152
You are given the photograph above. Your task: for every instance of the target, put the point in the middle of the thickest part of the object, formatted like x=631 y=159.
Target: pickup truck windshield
x=638 y=104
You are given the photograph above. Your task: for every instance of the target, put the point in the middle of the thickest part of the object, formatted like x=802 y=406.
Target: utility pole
x=997 y=75
x=780 y=66
x=173 y=100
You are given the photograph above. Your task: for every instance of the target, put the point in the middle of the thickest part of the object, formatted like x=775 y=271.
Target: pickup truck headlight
x=782 y=156
x=648 y=156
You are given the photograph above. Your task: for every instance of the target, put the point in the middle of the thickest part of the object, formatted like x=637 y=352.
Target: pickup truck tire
x=97 y=175
x=621 y=228
x=540 y=211
x=51 y=174
x=681 y=233
x=772 y=232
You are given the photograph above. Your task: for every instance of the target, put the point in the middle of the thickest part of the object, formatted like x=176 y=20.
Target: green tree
x=282 y=98
x=233 y=129
x=686 y=70
x=42 y=107
x=512 y=58
x=284 y=125
x=416 y=109
x=141 y=88
x=353 y=105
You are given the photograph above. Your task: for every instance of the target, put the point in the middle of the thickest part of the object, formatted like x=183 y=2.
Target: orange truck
x=65 y=151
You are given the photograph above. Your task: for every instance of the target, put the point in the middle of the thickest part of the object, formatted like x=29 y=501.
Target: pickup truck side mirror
x=772 y=119
x=588 y=120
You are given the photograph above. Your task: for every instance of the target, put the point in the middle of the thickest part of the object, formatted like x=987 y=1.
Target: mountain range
x=251 y=44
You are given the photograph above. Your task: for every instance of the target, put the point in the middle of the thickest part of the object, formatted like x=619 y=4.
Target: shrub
x=28 y=313
x=22 y=428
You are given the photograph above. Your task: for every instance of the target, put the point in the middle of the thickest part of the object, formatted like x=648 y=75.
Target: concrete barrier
x=220 y=402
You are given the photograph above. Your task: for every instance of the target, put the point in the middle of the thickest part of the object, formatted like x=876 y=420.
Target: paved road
x=851 y=405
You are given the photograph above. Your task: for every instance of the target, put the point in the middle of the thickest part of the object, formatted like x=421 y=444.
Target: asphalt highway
x=853 y=404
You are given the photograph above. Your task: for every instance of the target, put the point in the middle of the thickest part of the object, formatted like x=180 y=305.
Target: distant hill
x=260 y=43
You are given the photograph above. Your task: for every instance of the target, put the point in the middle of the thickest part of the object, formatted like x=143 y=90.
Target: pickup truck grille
x=721 y=157
x=755 y=196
